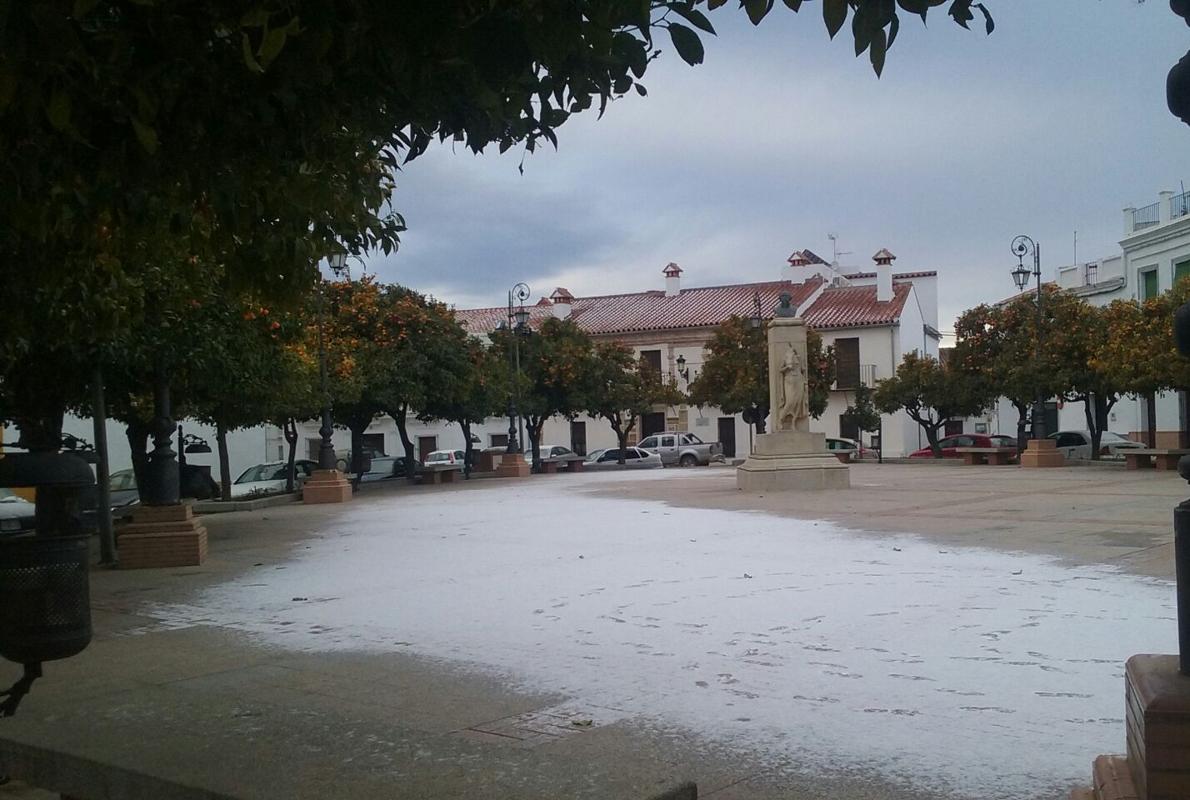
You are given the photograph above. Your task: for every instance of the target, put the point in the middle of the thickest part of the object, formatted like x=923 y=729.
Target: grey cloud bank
x=1050 y=125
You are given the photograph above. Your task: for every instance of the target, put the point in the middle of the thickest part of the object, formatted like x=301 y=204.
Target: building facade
x=871 y=318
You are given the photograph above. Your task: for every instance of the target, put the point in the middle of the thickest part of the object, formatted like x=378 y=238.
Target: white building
x=1155 y=252
x=872 y=319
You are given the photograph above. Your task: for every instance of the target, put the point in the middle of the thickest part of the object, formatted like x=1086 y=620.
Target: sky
x=1049 y=126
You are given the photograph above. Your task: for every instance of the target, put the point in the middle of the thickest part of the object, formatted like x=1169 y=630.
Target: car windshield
x=7 y=496
x=124 y=480
x=438 y=457
x=262 y=472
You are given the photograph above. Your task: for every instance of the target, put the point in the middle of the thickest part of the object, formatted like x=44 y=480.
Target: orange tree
x=556 y=368
x=999 y=345
x=622 y=388
x=735 y=373
x=477 y=388
x=931 y=393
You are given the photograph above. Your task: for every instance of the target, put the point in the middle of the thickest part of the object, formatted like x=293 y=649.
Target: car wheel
x=688 y=461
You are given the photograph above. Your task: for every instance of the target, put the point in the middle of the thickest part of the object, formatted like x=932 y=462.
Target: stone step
x=1112 y=779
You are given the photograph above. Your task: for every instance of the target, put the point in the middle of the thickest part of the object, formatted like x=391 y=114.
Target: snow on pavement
x=992 y=674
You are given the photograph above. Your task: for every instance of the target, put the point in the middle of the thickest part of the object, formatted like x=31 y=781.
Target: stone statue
x=794 y=404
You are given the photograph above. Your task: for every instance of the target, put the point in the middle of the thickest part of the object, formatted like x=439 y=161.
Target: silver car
x=1077 y=444
x=634 y=458
x=16 y=513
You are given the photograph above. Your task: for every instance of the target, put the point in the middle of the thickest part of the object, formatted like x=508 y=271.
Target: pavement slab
x=935 y=632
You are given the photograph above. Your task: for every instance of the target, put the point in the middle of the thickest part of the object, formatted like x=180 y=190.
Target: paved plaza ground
x=934 y=632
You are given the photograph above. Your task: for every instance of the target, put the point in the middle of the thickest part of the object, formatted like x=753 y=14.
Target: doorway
x=425 y=446
x=652 y=423
x=727 y=436
x=578 y=437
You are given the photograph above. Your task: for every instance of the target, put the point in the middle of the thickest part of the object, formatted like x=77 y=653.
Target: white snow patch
x=992 y=674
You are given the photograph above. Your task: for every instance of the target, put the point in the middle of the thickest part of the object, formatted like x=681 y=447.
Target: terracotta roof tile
x=855 y=307
x=897 y=276
x=707 y=306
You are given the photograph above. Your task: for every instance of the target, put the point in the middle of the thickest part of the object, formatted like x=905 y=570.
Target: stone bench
x=996 y=456
x=567 y=464
x=1144 y=458
x=438 y=473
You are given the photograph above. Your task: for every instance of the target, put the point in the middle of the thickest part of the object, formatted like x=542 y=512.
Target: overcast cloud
x=1052 y=124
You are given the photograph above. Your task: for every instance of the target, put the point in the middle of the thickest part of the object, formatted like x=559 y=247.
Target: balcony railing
x=1146 y=217
x=1179 y=205
x=847 y=379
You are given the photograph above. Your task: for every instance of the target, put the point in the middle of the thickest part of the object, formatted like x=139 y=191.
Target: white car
x=16 y=514
x=270 y=478
x=440 y=457
x=634 y=458
x=1077 y=444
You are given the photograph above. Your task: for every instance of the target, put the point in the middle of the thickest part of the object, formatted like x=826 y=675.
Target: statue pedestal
x=792 y=460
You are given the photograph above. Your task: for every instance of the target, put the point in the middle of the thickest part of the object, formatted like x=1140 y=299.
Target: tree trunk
x=621 y=438
x=357 y=450
x=224 y=461
x=533 y=426
x=467 y=448
x=138 y=446
x=1151 y=413
x=1022 y=418
x=400 y=418
x=1091 y=414
x=932 y=438
x=291 y=439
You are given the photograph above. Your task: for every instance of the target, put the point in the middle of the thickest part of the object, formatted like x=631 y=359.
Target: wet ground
x=918 y=662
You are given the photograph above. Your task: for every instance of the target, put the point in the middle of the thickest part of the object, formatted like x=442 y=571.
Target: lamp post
x=326 y=448
x=756 y=320
x=518 y=322
x=1021 y=247
x=683 y=370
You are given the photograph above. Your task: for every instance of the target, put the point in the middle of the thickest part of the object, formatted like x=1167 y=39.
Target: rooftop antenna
x=835 y=251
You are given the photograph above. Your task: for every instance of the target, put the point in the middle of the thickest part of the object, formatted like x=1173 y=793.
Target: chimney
x=884 y=283
x=673 y=279
x=562 y=300
x=796 y=272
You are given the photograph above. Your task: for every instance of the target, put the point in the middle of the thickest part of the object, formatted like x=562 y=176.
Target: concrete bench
x=438 y=473
x=1144 y=458
x=567 y=464
x=995 y=456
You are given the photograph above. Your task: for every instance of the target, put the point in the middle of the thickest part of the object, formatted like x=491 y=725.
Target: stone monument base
x=326 y=486
x=513 y=465
x=162 y=536
x=1042 y=453
x=792 y=460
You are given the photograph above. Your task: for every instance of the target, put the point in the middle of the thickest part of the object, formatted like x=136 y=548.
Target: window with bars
x=847 y=363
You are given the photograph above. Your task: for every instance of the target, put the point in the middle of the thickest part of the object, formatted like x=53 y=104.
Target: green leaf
x=146 y=135
x=876 y=52
x=271 y=47
x=83 y=7
x=641 y=90
x=834 y=14
x=687 y=43
x=757 y=9
x=794 y=5
x=694 y=17
x=58 y=110
x=249 y=59
x=713 y=4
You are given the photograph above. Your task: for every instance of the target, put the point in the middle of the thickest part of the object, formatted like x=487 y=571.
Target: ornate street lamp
x=756 y=320
x=1021 y=247
x=517 y=326
x=683 y=370
x=326 y=448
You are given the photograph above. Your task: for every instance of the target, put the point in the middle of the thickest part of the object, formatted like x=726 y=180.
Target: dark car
x=950 y=443
x=386 y=468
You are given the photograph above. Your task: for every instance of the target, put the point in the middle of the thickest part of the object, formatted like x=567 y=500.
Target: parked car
x=634 y=458
x=950 y=443
x=123 y=491
x=837 y=444
x=386 y=468
x=1077 y=444
x=682 y=448
x=16 y=514
x=271 y=477
x=439 y=457
x=551 y=452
